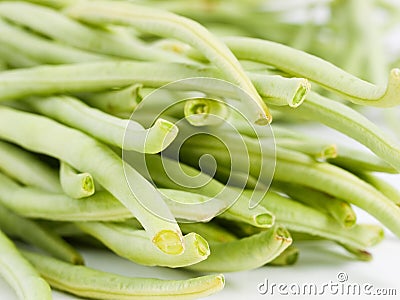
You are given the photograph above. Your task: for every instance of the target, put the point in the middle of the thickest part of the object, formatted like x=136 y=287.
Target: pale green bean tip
x=201 y=244
x=283 y=234
x=88 y=184
x=264 y=220
x=330 y=151
x=391 y=97
x=203 y=111
x=160 y=136
x=169 y=242
x=301 y=93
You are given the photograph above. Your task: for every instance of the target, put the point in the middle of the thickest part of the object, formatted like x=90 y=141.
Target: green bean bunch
x=146 y=132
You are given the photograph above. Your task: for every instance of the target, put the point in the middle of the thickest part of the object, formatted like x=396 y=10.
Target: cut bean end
x=169 y=242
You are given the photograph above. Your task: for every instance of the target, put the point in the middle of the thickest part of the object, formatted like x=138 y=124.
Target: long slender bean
x=292 y=215
x=301 y=64
x=238 y=210
x=297 y=168
x=318 y=149
x=246 y=253
x=339 y=209
x=17 y=271
x=381 y=185
x=135 y=245
x=101 y=76
x=87 y=154
x=114 y=101
x=74 y=184
x=40 y=49
x=171 y=25
x=76 y=34
x=354 y=159
x=27 y=168
x=126 y=134
x=91 y=283
x=346 y=120
x=15 y=58
x=36 y=235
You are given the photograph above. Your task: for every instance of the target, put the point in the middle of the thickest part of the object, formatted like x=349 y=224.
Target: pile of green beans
x=75 y=82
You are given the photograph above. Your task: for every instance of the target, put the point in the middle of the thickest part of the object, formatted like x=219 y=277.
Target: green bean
x=237 y=178
x=246 y=253
x=288 y=257
x=342 y=184
x=76 y=34
x=391 y=192
x=360 y=254
x=171 y=25
x=35 y=203
x=135 y=245
x=40 y=49
x=34 y=234
x=3 y=64
x=87 y=154
x=351 y=123
x=295 y=89
x=239 y=210
x=203 y=111
x=91 y=283
x=297 y=168
x=27 y=168
x=15 y=58
x=354 y=159
x=318 y=149
x=100 y=76
x=339 y=209
x=193 y=207
x=22 y=277
x=74 y=184
x=210 y=231
x=301 y=64
x=298 y=217
x=126 y=134
x=102 y=206
x=115 y=101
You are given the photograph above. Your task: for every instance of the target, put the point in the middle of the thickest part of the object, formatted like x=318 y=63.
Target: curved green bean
x=238 y=210
x=391 y=192
x=85 y=153
x=348 y=121
x=246 y=253
x=27 y=168
x=301 y=64
x=22 y=277
x=339 y=209
x=74 y=184
x=31 y=232
x=91 y=283
x=102 y=206
x=122 y=133
x=73 y=33
x=135 y=245
x=298 y=217
x=174 y=26
x=115 y=101
x=40 y=49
